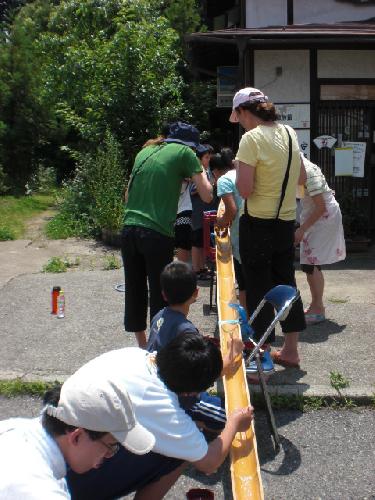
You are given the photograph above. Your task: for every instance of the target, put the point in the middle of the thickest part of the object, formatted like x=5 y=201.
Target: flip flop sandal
x=314 y=319
x=275 y=355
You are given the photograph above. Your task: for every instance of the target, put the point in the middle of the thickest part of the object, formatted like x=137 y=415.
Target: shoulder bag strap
x=286 y=178
x=157 y=148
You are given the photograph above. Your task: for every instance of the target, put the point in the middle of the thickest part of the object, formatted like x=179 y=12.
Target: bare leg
x=289 y=351
x=316 y=284
x=242 y=298
x=141 y=339
x=158 y=489
x=196 y=259
x=183 y=255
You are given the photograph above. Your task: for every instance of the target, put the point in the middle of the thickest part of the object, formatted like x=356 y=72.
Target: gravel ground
x=326 y=454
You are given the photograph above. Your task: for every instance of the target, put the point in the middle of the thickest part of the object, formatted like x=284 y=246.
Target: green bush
x=92 y=200
x=42 y=181
x=6 y=234
x=107 y=186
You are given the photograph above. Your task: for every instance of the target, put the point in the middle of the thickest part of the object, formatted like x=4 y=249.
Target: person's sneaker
x=266 y=361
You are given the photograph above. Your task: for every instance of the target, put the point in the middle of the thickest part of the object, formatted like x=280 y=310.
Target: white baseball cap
x=91 y=401
x=248 y=94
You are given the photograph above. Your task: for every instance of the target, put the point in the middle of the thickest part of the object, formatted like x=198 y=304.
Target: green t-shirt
x=155 y=188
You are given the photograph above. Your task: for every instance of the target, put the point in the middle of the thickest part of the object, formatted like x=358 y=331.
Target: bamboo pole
x=245 y=470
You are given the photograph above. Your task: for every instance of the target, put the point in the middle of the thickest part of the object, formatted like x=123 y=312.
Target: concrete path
x=20 y=257
x=34 y=344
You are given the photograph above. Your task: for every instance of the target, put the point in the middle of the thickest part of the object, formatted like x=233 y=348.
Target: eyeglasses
x=113 y=448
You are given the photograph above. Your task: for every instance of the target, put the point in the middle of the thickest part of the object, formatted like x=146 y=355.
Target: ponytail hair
x=266 y=111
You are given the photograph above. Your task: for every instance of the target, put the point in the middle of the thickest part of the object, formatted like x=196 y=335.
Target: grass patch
x=6 y=234
x=62 y=226
x=15 y=211
x=59 y=265
x=111 y=262
x=18 y=387
x=339 y=382
x=310 y=403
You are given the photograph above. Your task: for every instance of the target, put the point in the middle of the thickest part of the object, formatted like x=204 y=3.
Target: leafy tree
x=9 y=7
x=183 y=15
x=72 y=69
x=111 y=64
x=25 y=123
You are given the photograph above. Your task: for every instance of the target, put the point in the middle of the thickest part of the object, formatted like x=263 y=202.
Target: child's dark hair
x=227 y=156
x=56 y=427
x=217 y=162
x=264 y=110
x=189 y=363
x=178 y=282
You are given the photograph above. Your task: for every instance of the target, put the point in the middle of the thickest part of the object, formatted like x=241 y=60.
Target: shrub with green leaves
x=6 y=234
x=43 y=180
x=111 y=262
x=93 y=199
x=59 y=265
x=107 y=185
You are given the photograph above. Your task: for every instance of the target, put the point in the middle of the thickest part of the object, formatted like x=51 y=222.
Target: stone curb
x=319 y=391
x=356 y=393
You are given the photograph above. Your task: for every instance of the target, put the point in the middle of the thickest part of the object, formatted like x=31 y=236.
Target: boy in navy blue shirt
x=179 y=289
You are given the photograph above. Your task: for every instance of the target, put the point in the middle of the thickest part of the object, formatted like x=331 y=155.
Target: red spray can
x=54 y=294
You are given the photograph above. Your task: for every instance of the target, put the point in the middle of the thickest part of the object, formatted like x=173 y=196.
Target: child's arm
x=230 y=211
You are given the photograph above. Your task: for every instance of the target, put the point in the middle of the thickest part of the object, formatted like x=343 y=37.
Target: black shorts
x=197 y=237
x=267 y=255
x=309 y=268
x=183 y=231
x=240 y=278
x=120 y=475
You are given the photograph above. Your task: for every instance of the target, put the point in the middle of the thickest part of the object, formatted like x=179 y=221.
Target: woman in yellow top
x=267 y=224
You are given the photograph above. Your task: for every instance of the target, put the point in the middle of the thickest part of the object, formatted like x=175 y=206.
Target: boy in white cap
x=80 y=426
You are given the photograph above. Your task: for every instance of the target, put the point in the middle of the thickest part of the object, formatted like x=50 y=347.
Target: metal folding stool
x=282 y=298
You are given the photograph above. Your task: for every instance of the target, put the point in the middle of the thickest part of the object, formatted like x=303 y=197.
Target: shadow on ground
x=288 y=459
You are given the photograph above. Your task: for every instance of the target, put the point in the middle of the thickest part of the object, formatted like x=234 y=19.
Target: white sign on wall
x=227 y=82
x=343 y=162
x=295 y=115
x=359 y=152
x=304 y=141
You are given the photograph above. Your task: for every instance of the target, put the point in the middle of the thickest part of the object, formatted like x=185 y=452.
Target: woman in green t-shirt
x=150 y=213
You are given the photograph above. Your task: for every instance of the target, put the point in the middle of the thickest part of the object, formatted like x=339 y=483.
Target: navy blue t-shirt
x=165 y=326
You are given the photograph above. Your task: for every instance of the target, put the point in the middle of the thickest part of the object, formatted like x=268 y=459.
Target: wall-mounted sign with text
x=227 y=85
x=304 y=141
x=295 y=115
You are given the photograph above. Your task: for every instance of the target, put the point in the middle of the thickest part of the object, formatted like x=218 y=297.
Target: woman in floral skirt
x=320 y=235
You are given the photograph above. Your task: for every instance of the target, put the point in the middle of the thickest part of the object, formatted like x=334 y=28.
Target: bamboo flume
x=245 y=470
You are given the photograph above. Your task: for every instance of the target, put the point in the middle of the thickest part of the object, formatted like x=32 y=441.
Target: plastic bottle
x=54 y=294
x=61 y=304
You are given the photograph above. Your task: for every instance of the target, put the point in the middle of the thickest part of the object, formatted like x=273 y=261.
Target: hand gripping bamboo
x=245 y=470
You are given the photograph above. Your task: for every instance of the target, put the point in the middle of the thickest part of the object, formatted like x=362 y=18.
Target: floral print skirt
x=324 y=242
